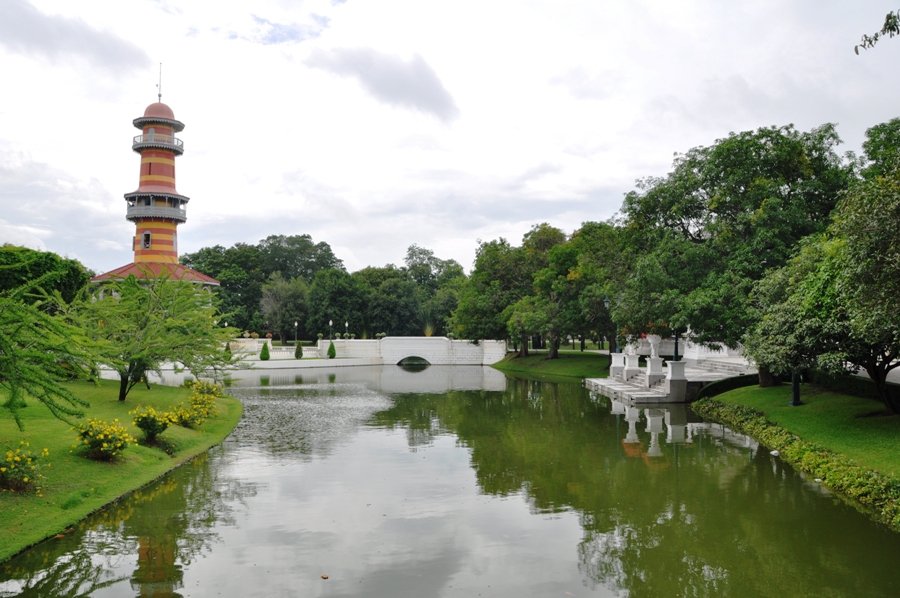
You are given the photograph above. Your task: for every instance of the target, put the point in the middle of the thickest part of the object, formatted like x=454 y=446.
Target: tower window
x=146 y=242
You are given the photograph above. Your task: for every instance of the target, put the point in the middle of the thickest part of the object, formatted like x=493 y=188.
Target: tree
x=394 y=308
x=336 y=296
x=283 y=303
x=148 y=322
x=40 y=350
x=42 y=272
x=244 y=269
x=697 y=239
x=890 y=28
x=502 y=275
x=437 y=283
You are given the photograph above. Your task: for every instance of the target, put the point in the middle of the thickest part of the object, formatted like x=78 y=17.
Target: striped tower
x=156 y=207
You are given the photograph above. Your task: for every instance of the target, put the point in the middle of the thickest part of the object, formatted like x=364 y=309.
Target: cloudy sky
x=375 y=125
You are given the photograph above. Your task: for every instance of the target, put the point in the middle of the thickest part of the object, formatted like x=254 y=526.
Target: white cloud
x=24 y=29
x=390 y=79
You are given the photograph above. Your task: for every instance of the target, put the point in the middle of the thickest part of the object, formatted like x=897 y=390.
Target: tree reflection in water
x=155 y=542
x=687 y=513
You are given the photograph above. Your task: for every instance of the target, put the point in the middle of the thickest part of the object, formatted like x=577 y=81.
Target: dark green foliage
x=698 y=238
x=264 y=353
x=335 y=295
x=298 y=351
x=876 y=491
x=332 y=352
x=244 y=269
x=283 y=303
x=503 y=275
x=44 y=272
x=40 y=347
x=719 y=386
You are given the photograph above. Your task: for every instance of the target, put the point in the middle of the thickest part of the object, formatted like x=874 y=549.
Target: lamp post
x=295 y=333
x=346 y=328
x=329 y=329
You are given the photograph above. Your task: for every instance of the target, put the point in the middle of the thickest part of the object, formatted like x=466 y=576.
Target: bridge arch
x=414 y=360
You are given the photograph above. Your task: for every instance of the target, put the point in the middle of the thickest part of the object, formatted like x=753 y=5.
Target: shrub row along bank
x=878 y=492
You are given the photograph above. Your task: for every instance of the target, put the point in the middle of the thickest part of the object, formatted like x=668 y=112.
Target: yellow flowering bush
x=151 y=421
x=205 y=388
x=185 y=416
x=20 y=469
x=103 y=441
x=203 y=404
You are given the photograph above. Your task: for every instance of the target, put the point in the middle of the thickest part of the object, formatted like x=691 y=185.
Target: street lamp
x=346 y=329
x=329 y=329
x=295 y=333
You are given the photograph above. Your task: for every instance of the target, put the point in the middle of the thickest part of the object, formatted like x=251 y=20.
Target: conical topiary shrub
x=298 y=351
x=332 y=352
x=264 y=354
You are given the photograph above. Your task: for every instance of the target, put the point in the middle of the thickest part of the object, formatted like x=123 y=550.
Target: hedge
x=879 y=492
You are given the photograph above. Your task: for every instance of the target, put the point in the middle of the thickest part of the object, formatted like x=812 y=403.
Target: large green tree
x=697 y=239
x=243 y=269
x=145 y=323
x=40 y=272
x=283 y=303
x=502 y=276
x=40 y=348
x=336 y=296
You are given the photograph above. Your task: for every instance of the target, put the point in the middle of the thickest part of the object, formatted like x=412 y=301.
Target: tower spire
x=159 y=85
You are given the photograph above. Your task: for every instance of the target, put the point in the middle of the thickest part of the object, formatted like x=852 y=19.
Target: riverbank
x=847 y=442
x=570 y=364
x=74 y=486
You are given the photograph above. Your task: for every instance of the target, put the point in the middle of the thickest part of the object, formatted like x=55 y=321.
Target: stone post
x=617 y=365
x=654 y=370
x=632 y=366
x=676 y=383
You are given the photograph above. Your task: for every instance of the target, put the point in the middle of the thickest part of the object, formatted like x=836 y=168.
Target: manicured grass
x=75 y=486
x=574 y=364
x=843 y=424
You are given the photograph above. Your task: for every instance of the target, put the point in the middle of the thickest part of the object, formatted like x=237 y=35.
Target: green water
x=471 y=485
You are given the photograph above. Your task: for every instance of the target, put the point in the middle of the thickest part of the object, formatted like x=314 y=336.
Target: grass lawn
x=570 y=364
x=841 y=423
x=74 y=486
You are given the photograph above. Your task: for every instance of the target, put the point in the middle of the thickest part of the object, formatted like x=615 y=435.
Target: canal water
x=462 y=482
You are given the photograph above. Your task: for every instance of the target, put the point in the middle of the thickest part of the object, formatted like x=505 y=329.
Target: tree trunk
x=766 y=379
x=554 y=347
x=123 y=385
x=879 y=377
x=582 y=343
x=523 y=345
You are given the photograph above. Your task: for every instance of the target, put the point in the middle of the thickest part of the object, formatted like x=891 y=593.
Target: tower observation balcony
x=139 y=211
x=157 y=141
